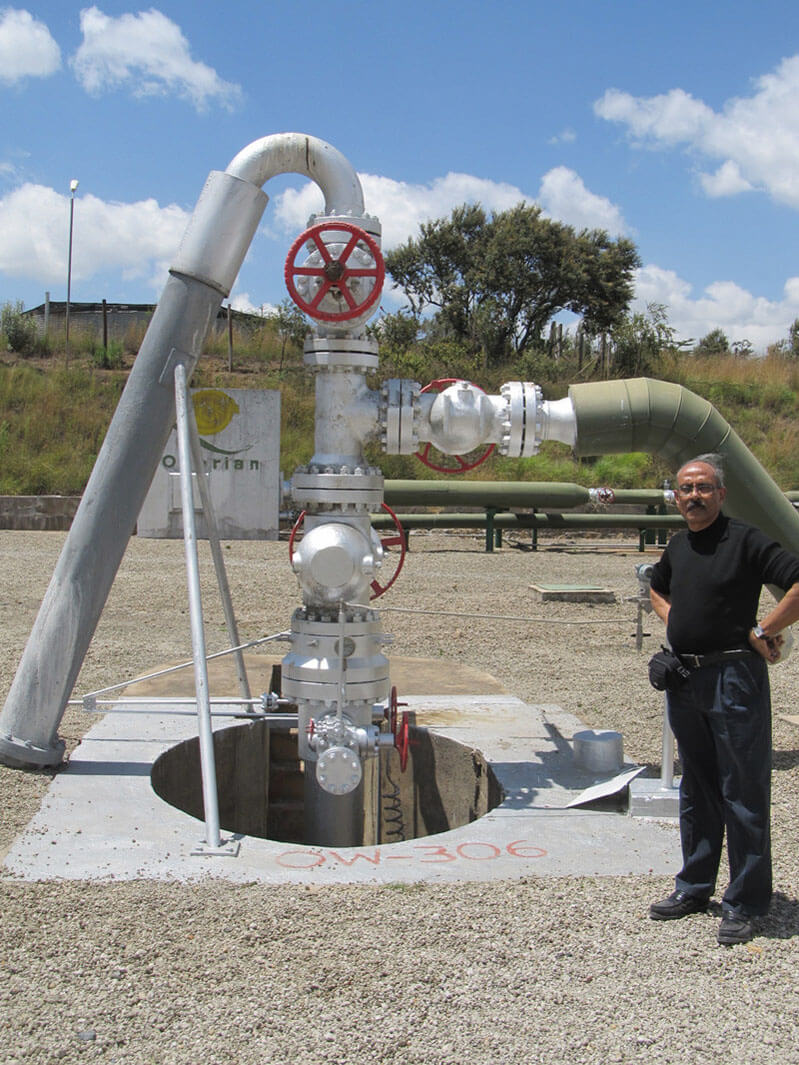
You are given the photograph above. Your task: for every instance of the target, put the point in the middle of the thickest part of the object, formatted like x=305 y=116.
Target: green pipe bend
x=670 y=421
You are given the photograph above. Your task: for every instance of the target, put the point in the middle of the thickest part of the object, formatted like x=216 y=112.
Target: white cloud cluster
x=135 y=240
x=402 y=207
x=145 y=53
x=723 y=305
x=756 y=138
x=148 y=54
x=564 y=196
x=27 y=50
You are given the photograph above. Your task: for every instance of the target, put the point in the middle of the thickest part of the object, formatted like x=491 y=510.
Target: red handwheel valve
x=342 y=276
x=400 y=726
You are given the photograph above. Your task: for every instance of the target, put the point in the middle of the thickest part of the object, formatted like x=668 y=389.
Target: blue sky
x=674 y=124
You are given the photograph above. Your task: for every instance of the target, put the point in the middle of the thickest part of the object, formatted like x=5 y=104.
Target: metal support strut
x=213 y=843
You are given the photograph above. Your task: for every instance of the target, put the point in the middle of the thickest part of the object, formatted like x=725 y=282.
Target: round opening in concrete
x=260 y=785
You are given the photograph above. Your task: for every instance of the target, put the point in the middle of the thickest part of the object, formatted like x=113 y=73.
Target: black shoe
x=734 y=928
x=678 y=904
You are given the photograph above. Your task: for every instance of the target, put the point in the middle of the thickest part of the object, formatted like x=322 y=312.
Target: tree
x=714 y=343
x=640 y=339
x=497 y=282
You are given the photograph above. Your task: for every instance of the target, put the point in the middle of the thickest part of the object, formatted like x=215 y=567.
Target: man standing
x=706 y=588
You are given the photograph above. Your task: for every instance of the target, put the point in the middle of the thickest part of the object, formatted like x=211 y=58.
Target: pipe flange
x=521 y=419
x=339 y=770
x=338 y=486
x=399 y=416
x=340 y=353
x=21 y=754
x=369 y=223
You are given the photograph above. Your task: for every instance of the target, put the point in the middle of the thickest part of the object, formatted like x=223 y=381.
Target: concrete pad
x=101 y=819
x=412 y=676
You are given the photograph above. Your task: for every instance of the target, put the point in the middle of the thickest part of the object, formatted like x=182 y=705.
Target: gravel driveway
x=549 y=970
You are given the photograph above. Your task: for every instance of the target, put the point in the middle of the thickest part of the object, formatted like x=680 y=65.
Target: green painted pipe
x=503 y=494
x=531 y=521
x=563 y=495
x=670 y=421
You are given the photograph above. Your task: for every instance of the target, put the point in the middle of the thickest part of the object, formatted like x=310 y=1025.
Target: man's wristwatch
x=759 y=632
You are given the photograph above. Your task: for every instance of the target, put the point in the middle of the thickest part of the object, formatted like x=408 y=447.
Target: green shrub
x=110 y=358
x=21 y=333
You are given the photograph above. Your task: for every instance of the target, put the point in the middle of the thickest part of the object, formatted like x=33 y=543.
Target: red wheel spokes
x=335 y=273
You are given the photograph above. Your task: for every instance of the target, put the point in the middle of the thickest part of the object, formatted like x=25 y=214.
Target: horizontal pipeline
x=531 y=521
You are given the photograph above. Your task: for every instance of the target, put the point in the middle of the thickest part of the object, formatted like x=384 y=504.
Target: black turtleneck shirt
x=714 y=578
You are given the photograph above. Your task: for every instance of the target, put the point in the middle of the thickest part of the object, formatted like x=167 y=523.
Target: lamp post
x=72 y=186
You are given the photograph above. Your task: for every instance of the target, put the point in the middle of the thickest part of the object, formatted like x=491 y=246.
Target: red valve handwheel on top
x=338 y=278
x=438 y=386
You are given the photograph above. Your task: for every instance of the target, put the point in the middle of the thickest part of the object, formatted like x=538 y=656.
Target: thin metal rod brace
x=207 y=762
x=181 y=665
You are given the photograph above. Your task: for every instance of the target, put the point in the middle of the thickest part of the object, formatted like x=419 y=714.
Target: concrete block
x=649 y=798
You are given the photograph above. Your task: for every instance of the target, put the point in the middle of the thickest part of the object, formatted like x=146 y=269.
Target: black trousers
x=721 y=719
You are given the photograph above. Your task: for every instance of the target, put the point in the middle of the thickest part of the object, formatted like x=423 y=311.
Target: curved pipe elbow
x=665 y=419
x=299 y=153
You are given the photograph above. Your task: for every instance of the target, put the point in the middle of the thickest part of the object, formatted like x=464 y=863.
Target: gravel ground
x=548 y=970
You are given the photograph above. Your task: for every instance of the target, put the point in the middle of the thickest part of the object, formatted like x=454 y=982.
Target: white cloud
x=727 y=181
x=563 y=196
x=402 y=207
x=147 y=54
x=566 y=136
x=242 y=301
x=134 y=240
x=27 y=50
x=723 y=305
x=756 y=137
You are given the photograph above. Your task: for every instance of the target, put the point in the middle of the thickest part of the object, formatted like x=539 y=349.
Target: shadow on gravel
x=782 y=922
x=785 y=759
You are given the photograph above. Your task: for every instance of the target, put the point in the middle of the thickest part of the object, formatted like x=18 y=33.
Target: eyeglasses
x=704 y=489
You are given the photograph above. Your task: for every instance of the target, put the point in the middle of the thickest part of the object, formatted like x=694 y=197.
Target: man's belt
x=714 y=658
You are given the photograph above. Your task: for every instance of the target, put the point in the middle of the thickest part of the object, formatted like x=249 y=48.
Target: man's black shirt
x=713 y=578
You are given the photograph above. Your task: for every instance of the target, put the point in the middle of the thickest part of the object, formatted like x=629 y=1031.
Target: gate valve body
x=460 y=418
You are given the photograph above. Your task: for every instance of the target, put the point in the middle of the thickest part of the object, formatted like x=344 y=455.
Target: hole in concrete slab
x=261 y=787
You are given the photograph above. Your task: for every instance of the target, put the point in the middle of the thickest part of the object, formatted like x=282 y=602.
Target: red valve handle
x=378 y=589
x=439 y=385
x=402 y=741
x=391 y=541
x=402 y=734
x=335 y=274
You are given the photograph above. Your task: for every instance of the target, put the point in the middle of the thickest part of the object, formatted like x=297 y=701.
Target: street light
x=72 y=186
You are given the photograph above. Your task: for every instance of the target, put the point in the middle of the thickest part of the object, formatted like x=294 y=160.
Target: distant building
x=119 y=317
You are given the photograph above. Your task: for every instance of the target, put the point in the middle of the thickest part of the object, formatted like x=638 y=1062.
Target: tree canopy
x=496 y=282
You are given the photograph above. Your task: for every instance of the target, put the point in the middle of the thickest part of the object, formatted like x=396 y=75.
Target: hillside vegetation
x=54 y=412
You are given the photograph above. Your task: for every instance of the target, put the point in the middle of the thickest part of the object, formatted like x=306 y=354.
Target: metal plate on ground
x=574 y=593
